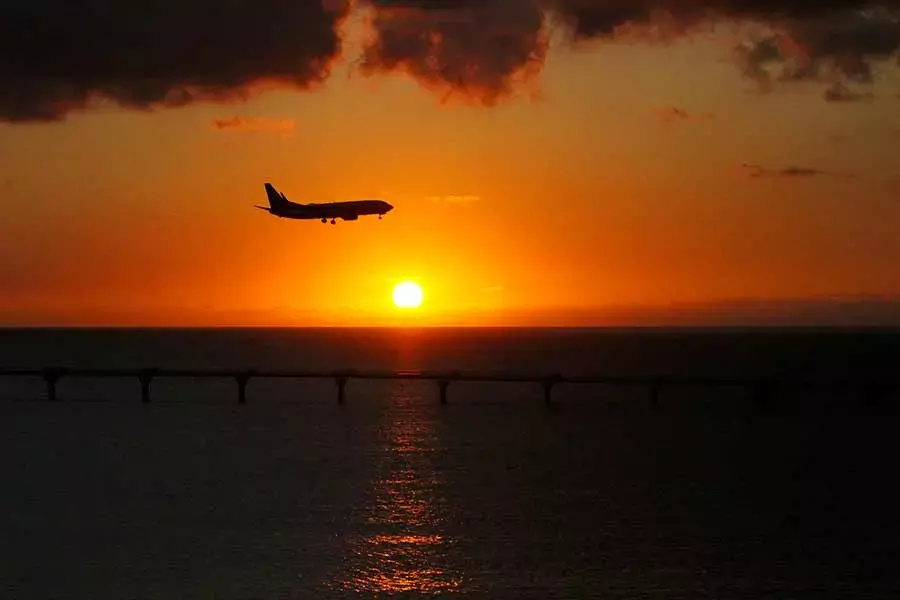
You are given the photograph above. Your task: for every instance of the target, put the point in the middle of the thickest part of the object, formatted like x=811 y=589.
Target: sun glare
x=407 y=295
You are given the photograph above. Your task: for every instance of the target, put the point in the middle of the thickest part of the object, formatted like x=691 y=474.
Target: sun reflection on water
x=403 y=547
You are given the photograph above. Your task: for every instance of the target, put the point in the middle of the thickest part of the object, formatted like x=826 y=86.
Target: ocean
x=494 y=495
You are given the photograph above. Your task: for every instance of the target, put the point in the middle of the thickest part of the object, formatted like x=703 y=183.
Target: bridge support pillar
x=764 y=396
x=51 y=377
x=341 y=383
x=146 y=378
x=547 y=385
x=875 y=395
x=242 y=379
x=443 y=384
x=655 y=391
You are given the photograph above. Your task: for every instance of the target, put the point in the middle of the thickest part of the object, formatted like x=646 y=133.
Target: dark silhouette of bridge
x=875 y=391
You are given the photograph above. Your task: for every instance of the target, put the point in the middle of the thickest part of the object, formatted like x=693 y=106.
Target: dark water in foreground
x=493 y=496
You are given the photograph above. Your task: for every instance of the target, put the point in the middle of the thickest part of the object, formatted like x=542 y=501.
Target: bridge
x=763 y=389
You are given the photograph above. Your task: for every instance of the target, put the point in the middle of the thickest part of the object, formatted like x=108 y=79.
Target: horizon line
x=716 y=327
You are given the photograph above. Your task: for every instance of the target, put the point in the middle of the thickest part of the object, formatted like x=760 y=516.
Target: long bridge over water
x=763 y=389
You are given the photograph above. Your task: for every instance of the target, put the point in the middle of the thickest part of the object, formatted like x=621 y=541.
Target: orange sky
x=614 y=183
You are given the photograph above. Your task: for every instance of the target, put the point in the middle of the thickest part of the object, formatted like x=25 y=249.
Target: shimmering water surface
x=492 y=496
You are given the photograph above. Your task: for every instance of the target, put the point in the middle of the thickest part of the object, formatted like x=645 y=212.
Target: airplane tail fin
x=276 y=199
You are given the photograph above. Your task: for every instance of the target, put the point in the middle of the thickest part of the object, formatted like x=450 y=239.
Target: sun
x=407 y=295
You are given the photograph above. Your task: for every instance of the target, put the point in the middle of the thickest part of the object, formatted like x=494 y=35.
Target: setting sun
x=407 y=295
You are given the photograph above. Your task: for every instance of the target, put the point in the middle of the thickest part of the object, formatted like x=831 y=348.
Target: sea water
x=494 y=495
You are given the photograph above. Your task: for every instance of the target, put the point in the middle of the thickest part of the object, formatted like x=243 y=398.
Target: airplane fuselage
x=333 y=210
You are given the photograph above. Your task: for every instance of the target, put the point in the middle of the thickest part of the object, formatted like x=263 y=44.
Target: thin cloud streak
x=841 y=93
x=671 y=115
x=456 y=199
x=284 y=127
x=756 y=170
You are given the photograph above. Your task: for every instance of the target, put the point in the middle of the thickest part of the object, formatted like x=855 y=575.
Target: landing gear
x=332 y=221
x=324 y=220
x=379 y=216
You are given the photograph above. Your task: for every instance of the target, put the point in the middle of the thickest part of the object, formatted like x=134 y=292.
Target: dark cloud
x=597 y=19
x=838 y=43
x=471 y=49
x=59 y=55
x=482 y=48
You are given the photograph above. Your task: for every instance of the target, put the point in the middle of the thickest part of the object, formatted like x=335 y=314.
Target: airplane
x=348 y=211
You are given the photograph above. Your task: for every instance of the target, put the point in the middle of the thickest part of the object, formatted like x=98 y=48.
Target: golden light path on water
x=406 y=549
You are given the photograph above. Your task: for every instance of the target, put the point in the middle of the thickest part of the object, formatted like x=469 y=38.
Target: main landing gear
x=326 y=220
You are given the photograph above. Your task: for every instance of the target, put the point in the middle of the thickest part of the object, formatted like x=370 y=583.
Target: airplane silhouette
x=348 y=211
